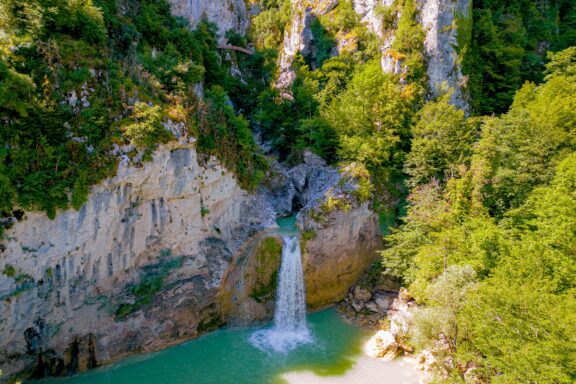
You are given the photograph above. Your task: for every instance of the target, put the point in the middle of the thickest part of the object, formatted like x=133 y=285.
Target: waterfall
x=290 y=311
x=290 y=329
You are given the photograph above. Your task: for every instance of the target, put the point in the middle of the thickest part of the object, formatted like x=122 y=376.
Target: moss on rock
x=266 y=261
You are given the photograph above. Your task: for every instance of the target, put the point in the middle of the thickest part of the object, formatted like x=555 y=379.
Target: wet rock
x=252 y=310
x=371 y=306
x=299 y=176
x=278 y=190
x=357 y=306
x=290 y=190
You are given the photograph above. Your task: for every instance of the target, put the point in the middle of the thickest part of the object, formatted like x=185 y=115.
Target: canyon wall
x=149 y=259
x=226 y=14
x=144 y=263
x=137 y=267
x=440 y=19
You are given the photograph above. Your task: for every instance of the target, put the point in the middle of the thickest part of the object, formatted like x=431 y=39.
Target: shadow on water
x=226 y=356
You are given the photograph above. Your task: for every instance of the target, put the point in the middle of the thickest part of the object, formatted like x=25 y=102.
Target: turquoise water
x=226 y=356
x=287 y=226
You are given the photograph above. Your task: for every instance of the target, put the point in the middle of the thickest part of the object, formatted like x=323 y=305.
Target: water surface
x=226 y=356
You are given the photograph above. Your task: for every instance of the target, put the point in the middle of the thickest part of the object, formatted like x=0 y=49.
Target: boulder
x=361 y=294
x=382 y=344
x=382 y=303
x=371 y=306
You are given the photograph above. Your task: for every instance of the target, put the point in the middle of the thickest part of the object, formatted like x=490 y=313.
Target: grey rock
x=382 y=303
x=373 y=307
x=226 y=14
x=357 y=306
x=361 y=294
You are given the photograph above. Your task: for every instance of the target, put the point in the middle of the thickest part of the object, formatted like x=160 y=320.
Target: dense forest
x=485 y=203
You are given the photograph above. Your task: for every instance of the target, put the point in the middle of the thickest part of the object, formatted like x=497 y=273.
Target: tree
x=442 y=140
x=147 y=129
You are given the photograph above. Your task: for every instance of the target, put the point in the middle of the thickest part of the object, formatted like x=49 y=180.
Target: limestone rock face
x=74 y=277
x=296 y=39
x=437 y=17
x=439 y=21
x=340 y=251
x=226 y=14
x=299 y=38
x=289 y=190
x=150 y=260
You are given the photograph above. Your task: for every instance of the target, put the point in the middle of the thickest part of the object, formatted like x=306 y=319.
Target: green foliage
x=408 y=43
x=78 y=77
x=441 y=141
x=446 y=299
x=147 y=129
x=518 y=151
x=228 y=135
x=507 y=215
x=371 y=118
x=80 y=191
x=9 y=270
x=267 y=28
x=508 y=45
x=323 y=43
x=267 y=258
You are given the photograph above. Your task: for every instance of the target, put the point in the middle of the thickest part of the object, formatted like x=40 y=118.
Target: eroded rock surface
x=138 y=267
x=226 y=14
x=143 y=263
x=342 y=246
x=439 y=19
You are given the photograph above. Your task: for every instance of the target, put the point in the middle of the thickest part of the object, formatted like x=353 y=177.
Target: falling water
x=290 y=329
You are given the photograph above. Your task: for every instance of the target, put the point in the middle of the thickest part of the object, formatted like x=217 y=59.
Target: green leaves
x=506 y=47
x=441 y=141
x=506 y=212
x=147 y=130
x=370 y=117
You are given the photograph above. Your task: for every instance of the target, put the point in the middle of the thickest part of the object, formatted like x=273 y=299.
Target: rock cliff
x=342 y=246
x=440 y=21
x=146 y=262
x=138 y=267
x=439 y=18
x=226 y=14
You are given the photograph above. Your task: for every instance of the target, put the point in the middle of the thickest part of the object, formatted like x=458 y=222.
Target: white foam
x=290 y=329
